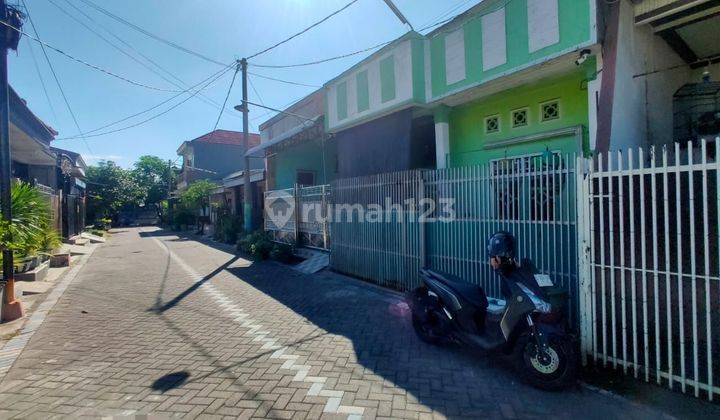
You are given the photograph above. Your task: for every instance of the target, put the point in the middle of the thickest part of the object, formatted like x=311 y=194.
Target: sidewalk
x=32 y=293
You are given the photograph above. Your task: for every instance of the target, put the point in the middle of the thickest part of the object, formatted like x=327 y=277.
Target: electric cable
x=42 y=80
x=301 y=32
x=289 y=82
x=151 y=35
x=183 y=85
x=222 y=72
x=232 y=83
x=93 y=66
x=55 y=76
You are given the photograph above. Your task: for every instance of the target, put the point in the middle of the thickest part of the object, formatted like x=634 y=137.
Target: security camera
x=584 y=54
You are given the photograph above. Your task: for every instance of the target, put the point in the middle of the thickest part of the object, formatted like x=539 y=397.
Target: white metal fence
x=634 y=237
x=650 y=295
x=298 y=216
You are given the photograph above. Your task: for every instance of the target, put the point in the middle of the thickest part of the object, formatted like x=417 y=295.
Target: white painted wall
x=442 y=144
x=543 y=24
x=494 y=42
x=455 y=56
x=402 y=53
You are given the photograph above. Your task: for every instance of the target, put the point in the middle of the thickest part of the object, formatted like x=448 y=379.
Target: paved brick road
x=155 y=324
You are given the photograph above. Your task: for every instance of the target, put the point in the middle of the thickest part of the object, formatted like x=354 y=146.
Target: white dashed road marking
x=281 y=353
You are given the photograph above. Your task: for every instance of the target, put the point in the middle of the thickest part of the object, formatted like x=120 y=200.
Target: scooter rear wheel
x=553 y=370
x=426 y=320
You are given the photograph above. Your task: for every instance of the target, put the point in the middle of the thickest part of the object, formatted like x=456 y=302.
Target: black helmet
x=502 y=245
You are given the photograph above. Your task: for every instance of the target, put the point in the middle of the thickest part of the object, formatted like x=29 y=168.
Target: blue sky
x=222 y=29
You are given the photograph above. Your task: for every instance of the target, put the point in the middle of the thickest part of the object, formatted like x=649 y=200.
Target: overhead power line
x=301 y=32
x=364 y=50
x=232 y=83
x=93 y=66
x=151 y=35
x=289 y=82
x=207 y=82
x=182 y=85
x=281 y=111
x=42 y=79
x=107 y=41
x=55 y=76
x=324 y=60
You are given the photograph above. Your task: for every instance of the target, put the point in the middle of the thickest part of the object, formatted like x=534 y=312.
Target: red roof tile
x=228 y=137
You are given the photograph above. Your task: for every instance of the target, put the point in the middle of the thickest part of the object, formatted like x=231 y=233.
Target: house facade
x=32 y=159
x=661 y=77
x=214 y=155
x=376 y=112
x=505 y=80
x=71 y=185
x=295 y=146
x=218 y=156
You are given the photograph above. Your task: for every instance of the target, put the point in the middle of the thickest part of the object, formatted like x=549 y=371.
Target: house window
x=528 y=187
x=305 y=178
x=550 y=111
x=520 y=118
x=492 y=124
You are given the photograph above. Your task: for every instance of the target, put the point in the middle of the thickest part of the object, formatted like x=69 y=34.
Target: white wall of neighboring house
x=402 y=54
x=643 y=107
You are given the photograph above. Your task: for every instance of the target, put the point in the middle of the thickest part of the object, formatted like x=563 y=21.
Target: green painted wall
x=418 y=69
x=304 y=156
x=574 y=20
x=467 y=122
x=342 y=101
x=387 y=78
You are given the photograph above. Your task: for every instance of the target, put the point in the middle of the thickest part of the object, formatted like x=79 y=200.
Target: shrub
x=227 y=229
x=281 y=252
x=258 y=244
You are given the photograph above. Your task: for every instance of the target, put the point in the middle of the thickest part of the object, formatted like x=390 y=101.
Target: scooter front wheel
x=552 y=369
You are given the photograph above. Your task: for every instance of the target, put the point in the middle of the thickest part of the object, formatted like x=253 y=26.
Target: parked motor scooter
x=528 y=326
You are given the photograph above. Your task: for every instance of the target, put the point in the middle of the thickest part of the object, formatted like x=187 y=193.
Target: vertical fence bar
x=591 y=196
x=706 y=254
x=621 y=217
x=643 y=256
x=693 y=269
x=633 y=265
x=611 y=264
x=656 y=303
x=717 y=214
x=668 y=295
x=678 y=221
x=601 y=179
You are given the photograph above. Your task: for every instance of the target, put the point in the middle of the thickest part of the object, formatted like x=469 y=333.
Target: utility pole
x=169 y=192
x=11 y=308
x=247 y=189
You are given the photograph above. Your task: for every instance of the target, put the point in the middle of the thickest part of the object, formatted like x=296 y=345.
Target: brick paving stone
x=136 y=317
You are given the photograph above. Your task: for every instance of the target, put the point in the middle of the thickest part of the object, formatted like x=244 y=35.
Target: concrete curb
x=12 y=349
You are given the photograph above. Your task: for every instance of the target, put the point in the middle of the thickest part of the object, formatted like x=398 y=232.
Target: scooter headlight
x=540 y=305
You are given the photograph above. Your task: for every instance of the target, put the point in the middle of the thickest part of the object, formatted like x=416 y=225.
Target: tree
x=197 y=197
x=112 y=189
x=155 y=176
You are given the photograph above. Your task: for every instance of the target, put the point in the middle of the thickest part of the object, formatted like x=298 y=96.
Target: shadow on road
x=446 y=379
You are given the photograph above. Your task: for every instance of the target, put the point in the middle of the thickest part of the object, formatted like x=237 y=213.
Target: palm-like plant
x=30 y=220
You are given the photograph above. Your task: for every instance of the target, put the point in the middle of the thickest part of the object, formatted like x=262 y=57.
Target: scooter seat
x=470 y=292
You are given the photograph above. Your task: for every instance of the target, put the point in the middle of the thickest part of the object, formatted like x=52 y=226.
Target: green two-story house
x=509 y=78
